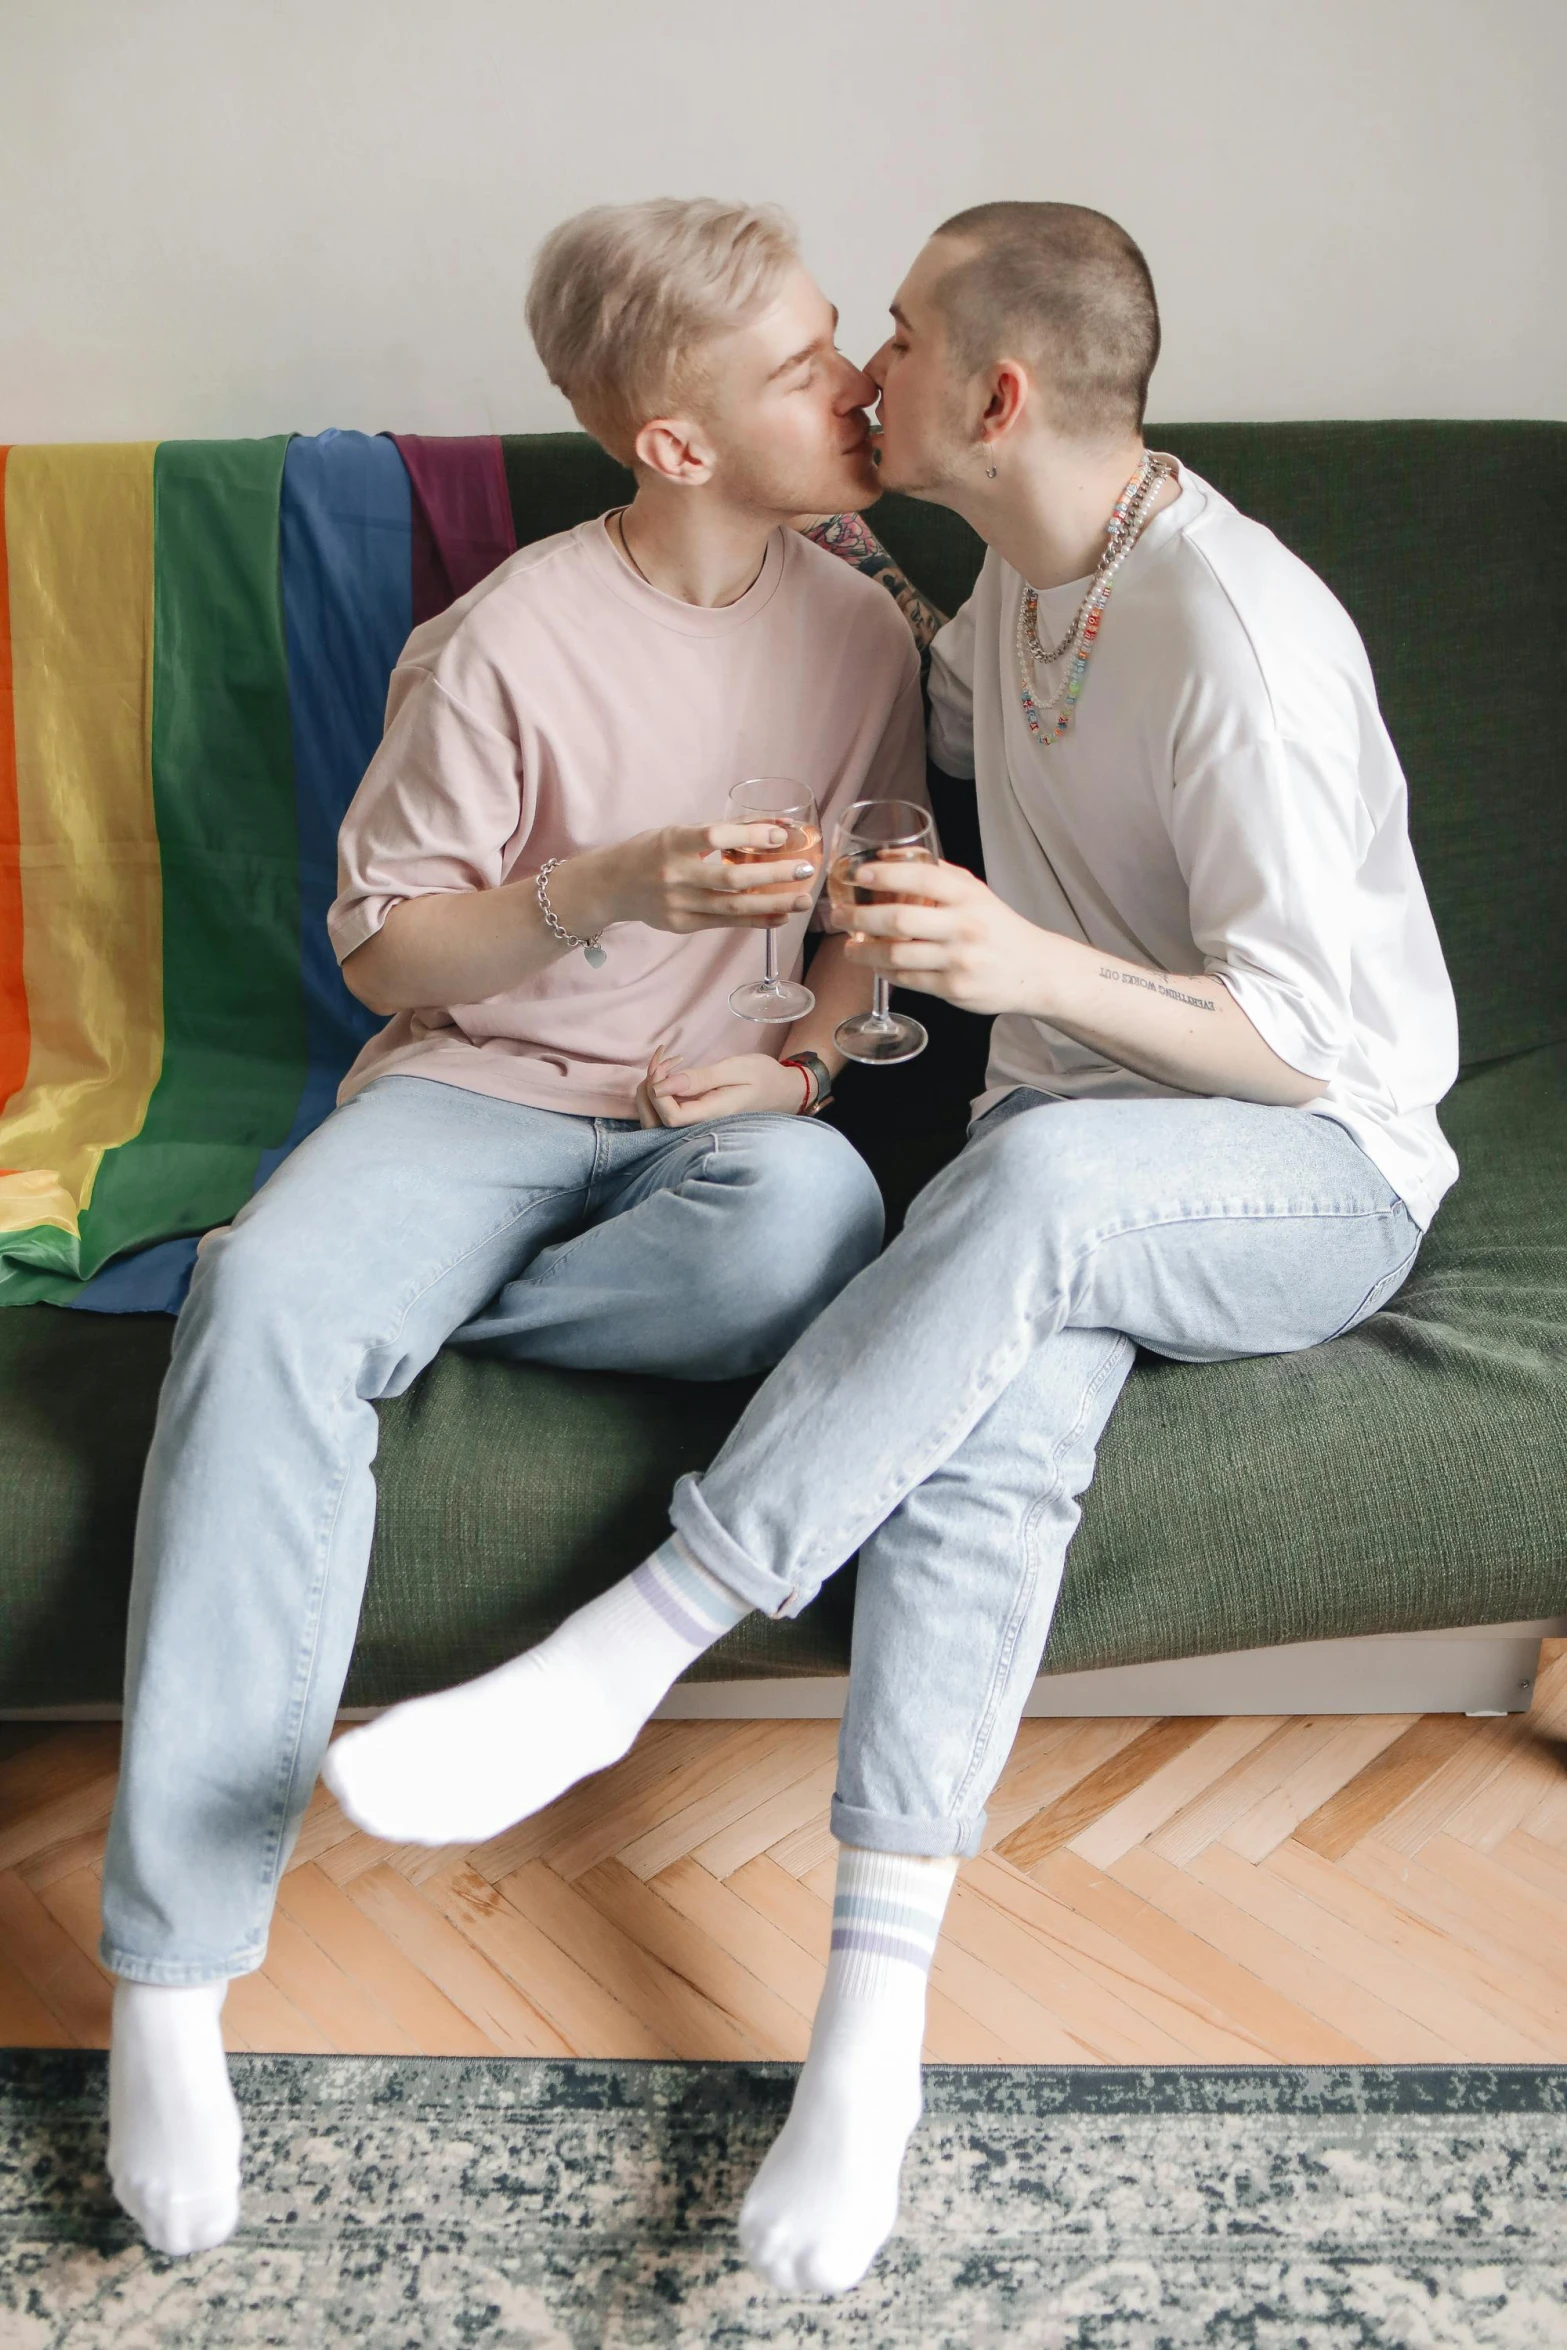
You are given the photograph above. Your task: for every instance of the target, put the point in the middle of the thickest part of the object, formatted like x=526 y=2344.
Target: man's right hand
x=678 y=879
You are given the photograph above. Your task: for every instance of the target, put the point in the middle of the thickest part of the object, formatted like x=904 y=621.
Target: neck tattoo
x=1121 y=535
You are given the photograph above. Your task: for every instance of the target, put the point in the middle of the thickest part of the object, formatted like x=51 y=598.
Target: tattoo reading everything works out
x=1199 y=1003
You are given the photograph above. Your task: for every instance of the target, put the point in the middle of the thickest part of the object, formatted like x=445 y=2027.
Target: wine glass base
x=783 y=999
x=868 y=1038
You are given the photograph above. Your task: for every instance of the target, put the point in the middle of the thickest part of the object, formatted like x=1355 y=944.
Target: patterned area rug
x=532 y=2205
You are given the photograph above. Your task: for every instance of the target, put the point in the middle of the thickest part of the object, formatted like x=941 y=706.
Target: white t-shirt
x=1227 y=800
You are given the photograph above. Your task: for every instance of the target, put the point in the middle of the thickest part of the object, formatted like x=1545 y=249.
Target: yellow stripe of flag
x=79 y=524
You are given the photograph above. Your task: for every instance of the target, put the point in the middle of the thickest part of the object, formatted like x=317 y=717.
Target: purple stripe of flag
x=462 y=521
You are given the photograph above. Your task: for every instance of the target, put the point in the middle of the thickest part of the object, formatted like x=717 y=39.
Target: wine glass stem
x=881 y=1001
x=770 y=959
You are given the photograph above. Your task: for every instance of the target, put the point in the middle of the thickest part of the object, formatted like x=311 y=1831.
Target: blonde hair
x=623 y=296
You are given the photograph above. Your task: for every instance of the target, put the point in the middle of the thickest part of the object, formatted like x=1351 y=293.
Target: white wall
x=239 y=216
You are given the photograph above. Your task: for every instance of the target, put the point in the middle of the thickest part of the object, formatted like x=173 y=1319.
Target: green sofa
x=1405 y=1478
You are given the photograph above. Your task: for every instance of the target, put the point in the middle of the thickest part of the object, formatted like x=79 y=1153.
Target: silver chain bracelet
x=593 y=949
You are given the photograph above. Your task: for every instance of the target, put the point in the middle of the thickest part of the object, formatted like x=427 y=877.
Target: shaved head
x=1065 y=290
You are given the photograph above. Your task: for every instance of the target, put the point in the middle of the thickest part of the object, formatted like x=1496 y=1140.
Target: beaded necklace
x=1121 y=533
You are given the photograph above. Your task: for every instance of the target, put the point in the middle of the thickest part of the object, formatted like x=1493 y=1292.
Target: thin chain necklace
x=619 y=519
x=1121 y=535
x=625 y=544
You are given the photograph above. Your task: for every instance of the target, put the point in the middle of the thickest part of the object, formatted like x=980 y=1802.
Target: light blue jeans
x=941 y=1416
x=417 y=1214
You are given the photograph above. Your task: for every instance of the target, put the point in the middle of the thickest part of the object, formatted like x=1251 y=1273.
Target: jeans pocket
x=1011 y=1105
x=1382 y=1289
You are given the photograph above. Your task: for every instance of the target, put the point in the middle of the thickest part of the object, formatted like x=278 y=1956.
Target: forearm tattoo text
x=1179 y=995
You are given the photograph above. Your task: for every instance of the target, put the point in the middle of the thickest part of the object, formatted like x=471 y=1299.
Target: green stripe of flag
x=223 y=791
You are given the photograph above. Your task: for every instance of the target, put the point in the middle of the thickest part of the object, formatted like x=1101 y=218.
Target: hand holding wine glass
x=776 y=800
x=880 y=834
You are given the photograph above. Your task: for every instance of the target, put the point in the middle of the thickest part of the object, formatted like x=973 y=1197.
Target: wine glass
x=775 y=799
x=879 y=832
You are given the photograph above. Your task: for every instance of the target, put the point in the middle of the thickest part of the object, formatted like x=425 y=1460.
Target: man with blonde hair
x=564 y=1146
x=1223 y=1025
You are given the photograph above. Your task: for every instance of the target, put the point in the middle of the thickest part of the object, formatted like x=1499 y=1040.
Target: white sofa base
x=1482 y=1669
x=1479 y=1669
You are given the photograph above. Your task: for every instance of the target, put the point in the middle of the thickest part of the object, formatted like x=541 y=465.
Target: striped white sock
x=470 y=1762
x=826 y=2198
x=886 y=1914
x=693 y=1604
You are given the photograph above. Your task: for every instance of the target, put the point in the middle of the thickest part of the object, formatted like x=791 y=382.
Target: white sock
x=174 y=2131
x=826 y=2198
x=462 y=1766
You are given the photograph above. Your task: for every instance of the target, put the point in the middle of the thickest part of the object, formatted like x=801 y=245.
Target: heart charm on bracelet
x=557 y=929
x=596 y=955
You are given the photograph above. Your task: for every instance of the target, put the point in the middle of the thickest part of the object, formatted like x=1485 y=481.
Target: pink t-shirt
x=564 y=704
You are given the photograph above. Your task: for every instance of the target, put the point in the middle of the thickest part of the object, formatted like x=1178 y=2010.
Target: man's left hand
x=673 y=1096
x=966 y=946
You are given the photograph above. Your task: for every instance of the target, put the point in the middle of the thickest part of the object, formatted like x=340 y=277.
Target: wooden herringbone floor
x=1315 y=1890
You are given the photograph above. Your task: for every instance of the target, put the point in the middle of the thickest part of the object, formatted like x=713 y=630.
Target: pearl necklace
x=1121 y=532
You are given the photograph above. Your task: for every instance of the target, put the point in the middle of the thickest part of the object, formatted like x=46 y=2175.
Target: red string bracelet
x=804 y=1110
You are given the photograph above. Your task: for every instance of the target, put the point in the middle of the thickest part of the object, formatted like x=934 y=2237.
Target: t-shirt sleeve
x=439 y=806
x=1268 y=836
x=952 y=693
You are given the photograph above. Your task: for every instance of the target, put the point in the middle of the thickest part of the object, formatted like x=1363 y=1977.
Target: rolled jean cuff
x=722 y=1556
x=882 y=1831
x=175 y=1974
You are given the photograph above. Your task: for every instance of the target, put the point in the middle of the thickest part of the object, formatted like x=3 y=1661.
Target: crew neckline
x=665 y=611
x=1167 y=524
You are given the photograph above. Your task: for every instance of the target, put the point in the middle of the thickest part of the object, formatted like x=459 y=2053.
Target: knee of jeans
x=1041 y=1166
x=804 y=1216
x=803 y=1182
x=250 y=1287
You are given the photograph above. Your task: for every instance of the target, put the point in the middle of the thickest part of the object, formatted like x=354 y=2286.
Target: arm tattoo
x=1199 y=1003
x=850 y=537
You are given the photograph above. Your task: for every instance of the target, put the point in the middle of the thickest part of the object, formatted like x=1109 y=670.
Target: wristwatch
x=815 y=1069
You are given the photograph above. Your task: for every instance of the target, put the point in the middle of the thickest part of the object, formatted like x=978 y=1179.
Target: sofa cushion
x=1405 y=1477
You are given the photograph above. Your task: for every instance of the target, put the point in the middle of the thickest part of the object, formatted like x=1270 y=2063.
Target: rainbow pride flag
x=195 y=643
